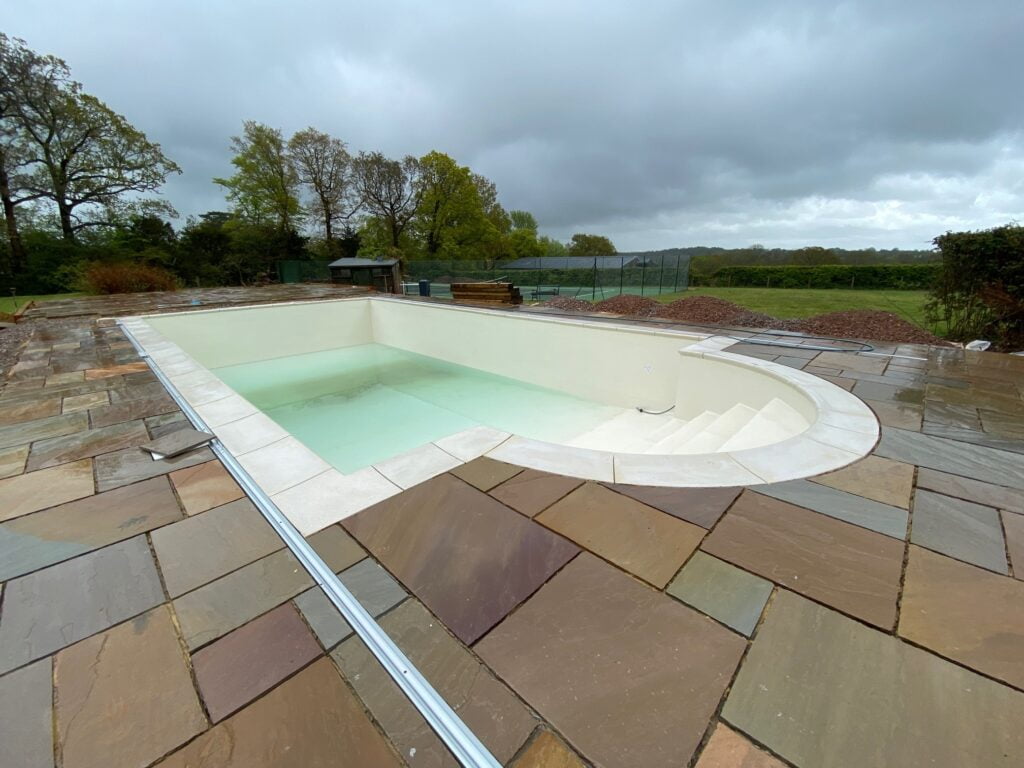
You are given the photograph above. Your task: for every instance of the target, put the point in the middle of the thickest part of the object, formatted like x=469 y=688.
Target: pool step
x=774 y=422
x=719 y=430
x=684 y=432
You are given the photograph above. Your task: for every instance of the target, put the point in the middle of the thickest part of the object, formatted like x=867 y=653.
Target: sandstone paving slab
x=533 y=491
x=85 y=444
x=26 y=717
x=972 y=490
x=702 y=506
x=627 y=674
x=723 y=591
x=32 y=491
x=252 y=659
x=57 y=606
x=205 y=486
x=125 y=695
x=131 y=465
x=60 y=533
x=85 y=402
x=116 y=370
x=850 y=568
x=311 y=721
x=883 y=518
x=728 y=749
x=217 y=608
x=897 y=415
x=484 y=473
x=820 y=689
x=469 y=558
x=882 y=480
x=1013 y=527
x=960 y=529
x=966 y=614
x=977 y=462
x=206 y=546
x=371 y=585
x=547 y=751
x=487 y=707
x=897 y=393
x=177 y=442
x=12 y=460
x=129 y=410
x=974 y=436
x=29 y=410
x=637 y=538
x=42 y=429
x=851 y=362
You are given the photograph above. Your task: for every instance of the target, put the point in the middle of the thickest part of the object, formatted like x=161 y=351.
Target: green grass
x=804 y=302
x=10 y=306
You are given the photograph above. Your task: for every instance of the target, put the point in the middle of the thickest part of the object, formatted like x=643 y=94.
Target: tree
x=264 y=188
x=590 y=245
x=324 y=167
x=814 y=256
x=390 y=191
x=523 y=220
x=448 y=201
x=552 y=247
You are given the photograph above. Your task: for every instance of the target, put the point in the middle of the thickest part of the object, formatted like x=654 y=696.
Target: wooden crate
x=486 y=293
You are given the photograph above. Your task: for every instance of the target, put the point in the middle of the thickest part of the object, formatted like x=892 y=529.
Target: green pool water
x=358 y=405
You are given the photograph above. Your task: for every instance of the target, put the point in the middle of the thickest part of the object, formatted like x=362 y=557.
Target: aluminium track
x=455 y=735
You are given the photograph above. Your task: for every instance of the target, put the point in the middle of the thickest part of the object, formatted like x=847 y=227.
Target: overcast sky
x=659 y=124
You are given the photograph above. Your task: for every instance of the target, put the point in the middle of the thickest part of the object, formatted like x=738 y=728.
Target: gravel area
x=568 y=304
x=871 y=325
x=627 y=304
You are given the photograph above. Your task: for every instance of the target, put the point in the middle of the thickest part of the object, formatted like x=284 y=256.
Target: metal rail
x=461 y=741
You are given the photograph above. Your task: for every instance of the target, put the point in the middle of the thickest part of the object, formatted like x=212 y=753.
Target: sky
x=659 y=124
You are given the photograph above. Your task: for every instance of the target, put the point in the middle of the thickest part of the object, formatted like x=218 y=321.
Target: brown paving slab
x=85 y=402
x=850 y=568
x=851 y=362
x=820 y=689
x=254 y=658
x=884 y=480
x=965 y=613
x=972 y=490
x=41 y=429
x=487 y=707
x=484 y=473
x=60 y=533
x=637 y=538
x=627 y=674
x=12 y=460
x=125 y=696
x=702 y=506
x=22 y=494
x=470 y=559
x=899 y=415
x=132 y=464
x=85 y=444
x=205 y=486
x=960 y=529
x=728 y=749
x=1013 y=527
x=115 y=370
x=533 y=491
x=131 y=409
x=217 y=608
x=26 y=717
x=310 y=721
x=547 y=751
x=206 y=546
x=29 y=410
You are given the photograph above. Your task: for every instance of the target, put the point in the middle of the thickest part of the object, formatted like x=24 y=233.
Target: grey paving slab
x=41 y=429
x=57 y=606
x=883 y=518
x=12 y=460
x=975 y=436
x=723 y=591
x=26 y=717
x=961 y=529
x=202 y=548
x=177 y=442
x=824 y=691
x=986 y=464
x=972 y=490
x=372 y=586
x=132 y=464
x=87 y=443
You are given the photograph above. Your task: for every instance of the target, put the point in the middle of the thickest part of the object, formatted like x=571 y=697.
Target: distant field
x=9 y=305
x=804 y=302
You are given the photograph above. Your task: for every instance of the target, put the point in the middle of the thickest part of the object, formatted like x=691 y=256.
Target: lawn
x=804 y=302
x=10 y=306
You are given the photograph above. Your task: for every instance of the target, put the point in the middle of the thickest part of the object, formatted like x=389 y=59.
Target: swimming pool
x=375 y=394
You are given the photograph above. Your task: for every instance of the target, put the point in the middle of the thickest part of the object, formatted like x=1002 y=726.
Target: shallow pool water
x=355 y=406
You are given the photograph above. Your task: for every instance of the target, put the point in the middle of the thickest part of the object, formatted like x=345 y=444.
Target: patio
x=873 y=616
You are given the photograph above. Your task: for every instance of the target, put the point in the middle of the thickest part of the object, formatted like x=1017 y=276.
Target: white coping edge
x=314 y=495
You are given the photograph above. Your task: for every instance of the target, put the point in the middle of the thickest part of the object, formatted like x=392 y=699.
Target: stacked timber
x=486 y=293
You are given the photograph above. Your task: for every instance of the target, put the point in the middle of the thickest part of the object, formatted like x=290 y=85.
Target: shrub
x=125 y=277
x=873 y=276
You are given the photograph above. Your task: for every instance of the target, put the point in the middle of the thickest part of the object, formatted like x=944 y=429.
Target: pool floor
x=359 y=405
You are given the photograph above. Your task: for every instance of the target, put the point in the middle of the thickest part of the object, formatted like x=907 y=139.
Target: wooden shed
x=385 y=274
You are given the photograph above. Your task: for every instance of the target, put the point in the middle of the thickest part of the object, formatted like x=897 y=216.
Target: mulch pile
x=627 y=304
x=869 y=324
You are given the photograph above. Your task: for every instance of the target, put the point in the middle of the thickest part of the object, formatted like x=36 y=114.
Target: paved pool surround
x=611 y=363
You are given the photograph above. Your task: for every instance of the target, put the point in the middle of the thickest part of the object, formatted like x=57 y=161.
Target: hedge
x=874 y=276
